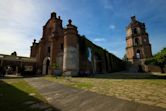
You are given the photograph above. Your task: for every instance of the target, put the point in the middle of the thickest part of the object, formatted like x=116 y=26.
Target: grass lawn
x=17 y=95
x=144 y=88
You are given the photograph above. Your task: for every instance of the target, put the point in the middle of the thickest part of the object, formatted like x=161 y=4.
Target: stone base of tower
x=138 y=66
x=70 y=73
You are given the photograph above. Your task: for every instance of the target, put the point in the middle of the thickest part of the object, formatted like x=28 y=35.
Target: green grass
x=15 y=92
x=140 y=87
x=69 y=82
x=82 y=85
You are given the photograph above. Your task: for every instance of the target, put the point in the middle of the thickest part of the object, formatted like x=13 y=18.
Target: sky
x=103 y=22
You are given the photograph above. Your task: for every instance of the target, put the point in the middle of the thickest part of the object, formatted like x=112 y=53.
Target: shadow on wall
x=13 y=99
x=153 y=68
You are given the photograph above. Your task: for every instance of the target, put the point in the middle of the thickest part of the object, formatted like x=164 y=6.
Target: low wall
x=152 y=68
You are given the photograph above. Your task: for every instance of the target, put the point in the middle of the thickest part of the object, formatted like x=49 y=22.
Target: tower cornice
x=135 y=35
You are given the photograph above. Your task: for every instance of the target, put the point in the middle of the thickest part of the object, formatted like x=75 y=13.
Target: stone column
x=17 y=71
x=53 y=53
x=71 y=53
x=1 y=62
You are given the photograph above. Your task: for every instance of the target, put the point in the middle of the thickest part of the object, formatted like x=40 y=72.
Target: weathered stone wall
x=51 y=45
x=71 y=52
x=71 y=55
x=137 y=41
x=152 y=68
x=101 y=60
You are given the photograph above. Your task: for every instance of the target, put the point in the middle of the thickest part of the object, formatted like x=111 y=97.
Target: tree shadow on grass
x=14 y=99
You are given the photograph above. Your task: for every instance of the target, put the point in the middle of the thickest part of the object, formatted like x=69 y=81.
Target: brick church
x=72 y=53
x=62 y=50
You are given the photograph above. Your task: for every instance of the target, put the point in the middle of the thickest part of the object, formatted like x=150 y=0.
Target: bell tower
x=138 y=47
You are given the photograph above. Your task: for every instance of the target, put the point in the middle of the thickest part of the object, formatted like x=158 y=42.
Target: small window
x=48 y=49
x=135 y=31
x=137 y=41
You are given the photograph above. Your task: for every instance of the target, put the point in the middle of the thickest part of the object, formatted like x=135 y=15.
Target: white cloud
x=18 y=19
x=12 y=41
x=112 y=27
x=21 y=21
x=99 y=39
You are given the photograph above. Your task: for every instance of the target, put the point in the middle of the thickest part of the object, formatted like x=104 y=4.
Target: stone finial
x=143 y=24
x=34 y=41
x=59 y=17
x=70 y=25
x=133 y=18
x=53 y=14
x=69 y=21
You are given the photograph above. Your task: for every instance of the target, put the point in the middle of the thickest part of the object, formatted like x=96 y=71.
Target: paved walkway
x=71 y=99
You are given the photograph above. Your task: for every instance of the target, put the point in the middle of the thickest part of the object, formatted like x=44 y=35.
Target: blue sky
x=101 y=21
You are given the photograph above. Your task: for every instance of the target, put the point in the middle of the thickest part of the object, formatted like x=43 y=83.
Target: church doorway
x=46 y=64
x=140 y=68
x=97 y=63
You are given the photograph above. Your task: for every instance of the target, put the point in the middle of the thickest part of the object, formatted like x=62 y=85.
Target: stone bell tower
x=138 y=47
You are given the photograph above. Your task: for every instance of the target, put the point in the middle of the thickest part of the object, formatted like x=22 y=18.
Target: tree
x=158 y=59
x=14 y=53
x=127 y=63
x=124 y=58
x=55 y=65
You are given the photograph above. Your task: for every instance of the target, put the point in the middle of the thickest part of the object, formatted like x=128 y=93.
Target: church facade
x=66 y=51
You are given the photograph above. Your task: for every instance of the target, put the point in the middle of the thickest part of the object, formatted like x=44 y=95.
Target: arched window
x=89 y=53
x=97 y=63
x=137 y=41
x=138 y=54
x=135 y=31
x=46 y=64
